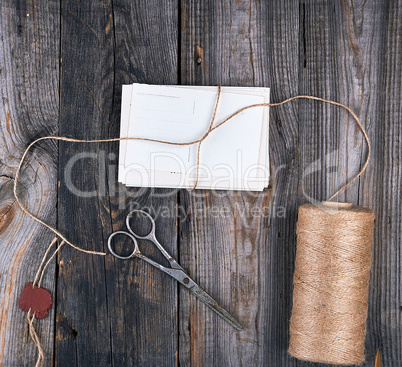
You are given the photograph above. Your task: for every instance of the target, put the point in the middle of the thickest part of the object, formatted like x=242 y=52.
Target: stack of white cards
x=232 y=157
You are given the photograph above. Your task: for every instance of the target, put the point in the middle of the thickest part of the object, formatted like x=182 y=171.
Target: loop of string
x=210 y=129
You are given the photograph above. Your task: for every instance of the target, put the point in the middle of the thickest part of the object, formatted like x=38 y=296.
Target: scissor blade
x=209 y=301
x=184 y=279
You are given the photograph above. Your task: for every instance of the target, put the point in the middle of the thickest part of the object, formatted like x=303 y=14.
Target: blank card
x=233 y=156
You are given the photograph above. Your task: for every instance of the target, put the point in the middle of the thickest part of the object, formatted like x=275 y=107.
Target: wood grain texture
x=86 y=89
x=385 y=323
x=342 y=46
x=142 y=301
x=120 y=313
x=29 y=107
x=111 y=312
x=283 y=43
x=222 y=243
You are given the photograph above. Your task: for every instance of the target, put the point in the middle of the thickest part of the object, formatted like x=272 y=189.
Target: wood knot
x=199 y=55
x=8 y=209
x=64 y=330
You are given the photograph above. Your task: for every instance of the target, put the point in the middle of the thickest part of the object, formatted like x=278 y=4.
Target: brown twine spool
x=333 y=261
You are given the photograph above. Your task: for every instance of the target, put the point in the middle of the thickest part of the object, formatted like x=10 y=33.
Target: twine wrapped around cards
x=318 y=236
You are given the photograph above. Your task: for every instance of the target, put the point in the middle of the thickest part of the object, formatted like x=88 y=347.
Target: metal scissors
x=176 y=271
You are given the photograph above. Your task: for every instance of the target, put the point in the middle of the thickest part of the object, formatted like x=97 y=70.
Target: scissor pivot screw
x=186 y=280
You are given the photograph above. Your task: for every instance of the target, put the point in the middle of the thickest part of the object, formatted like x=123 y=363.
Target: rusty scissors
x=176 y=271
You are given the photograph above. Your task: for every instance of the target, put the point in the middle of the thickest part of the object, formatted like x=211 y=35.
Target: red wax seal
x=37 y=299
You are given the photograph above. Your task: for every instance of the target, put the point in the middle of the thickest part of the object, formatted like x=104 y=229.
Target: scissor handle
x=133 y=254
x=151 y=237
x=151 y=233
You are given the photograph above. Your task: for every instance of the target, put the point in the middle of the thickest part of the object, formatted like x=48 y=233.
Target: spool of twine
x=331 y=279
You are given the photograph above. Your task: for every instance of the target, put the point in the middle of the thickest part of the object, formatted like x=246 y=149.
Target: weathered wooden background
x=62 y=65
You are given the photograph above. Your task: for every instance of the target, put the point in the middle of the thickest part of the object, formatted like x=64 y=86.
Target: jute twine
x=333 y=261
x=211 y=128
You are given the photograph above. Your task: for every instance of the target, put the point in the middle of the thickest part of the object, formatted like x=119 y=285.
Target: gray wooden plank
x=224 y=42
x=283 y=47
x=342 y=47
x=384 y=192
x=143 y=307
x=82 y=327
x=111 y=312
x=29 y=76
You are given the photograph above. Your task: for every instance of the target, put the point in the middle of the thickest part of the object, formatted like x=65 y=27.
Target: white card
x=234 y=156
